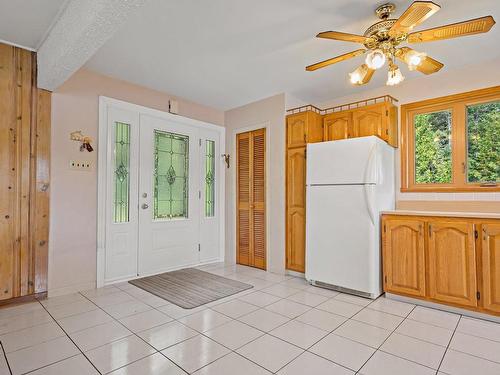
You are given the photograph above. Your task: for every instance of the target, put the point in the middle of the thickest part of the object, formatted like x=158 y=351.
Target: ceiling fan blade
x=368 y=76
x=427 y=66
x=416 y=13
x=471 y=27
x=337 y=35
x=335 y=60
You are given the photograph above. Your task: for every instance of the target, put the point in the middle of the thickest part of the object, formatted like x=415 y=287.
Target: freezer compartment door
x=348 y=161
x=342 y=240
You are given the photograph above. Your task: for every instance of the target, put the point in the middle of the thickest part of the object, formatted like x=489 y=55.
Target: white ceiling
x=26 y=22
x=226 y=53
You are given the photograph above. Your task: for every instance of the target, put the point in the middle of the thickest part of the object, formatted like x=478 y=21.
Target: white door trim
x=263 y=125
x=103 y=153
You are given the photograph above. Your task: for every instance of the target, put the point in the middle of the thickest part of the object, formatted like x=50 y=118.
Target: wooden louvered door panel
x=243 y=199
x=251 y=199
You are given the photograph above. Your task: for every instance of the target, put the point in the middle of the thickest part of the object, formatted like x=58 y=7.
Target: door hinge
x=476 y=234
x=430 y=231
x=478 y=296
x=200 y=142
x=385 y=279
x=387 y=112
x=385 y=229
x=305 y=153
x=199 y=247
x=199 y=194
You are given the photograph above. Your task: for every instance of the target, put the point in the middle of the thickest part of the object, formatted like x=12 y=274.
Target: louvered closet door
x=251 y=199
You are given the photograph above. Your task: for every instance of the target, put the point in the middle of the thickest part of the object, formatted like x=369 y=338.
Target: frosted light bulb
x=375 y=59
x=355 y=77
x=394 y=76
x=414 y=59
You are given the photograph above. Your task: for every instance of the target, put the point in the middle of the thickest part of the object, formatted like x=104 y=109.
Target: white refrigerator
x=349 y=182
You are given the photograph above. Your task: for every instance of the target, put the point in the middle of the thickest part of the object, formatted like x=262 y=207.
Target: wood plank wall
x=24 y=175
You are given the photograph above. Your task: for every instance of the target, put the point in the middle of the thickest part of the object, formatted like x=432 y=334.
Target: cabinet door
x=296 y=130
x=370 y=120
x=337 y=126
x=491 y=266
x=403 y=256
x=296 y=204
x=452 y=262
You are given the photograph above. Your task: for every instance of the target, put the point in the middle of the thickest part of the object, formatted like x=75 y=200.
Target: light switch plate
x=80 y=165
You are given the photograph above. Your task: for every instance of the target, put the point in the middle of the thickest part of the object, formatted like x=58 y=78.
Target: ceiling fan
x=382 y=39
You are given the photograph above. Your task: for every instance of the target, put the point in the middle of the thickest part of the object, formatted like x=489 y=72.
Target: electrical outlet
x=80 y=165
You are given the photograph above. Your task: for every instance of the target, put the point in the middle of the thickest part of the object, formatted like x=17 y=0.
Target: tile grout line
x=449 y=342
x=5 y=357
x=387 y=338
x=136 y=335
x=67 y=335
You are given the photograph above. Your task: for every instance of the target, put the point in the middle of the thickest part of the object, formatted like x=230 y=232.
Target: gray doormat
x=190 y=287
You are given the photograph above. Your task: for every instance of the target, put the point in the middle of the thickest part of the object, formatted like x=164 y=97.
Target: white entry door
x=169 y=220
x=163 y=200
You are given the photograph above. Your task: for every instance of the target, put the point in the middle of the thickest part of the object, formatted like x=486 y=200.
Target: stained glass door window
x=171 y=175
x=209 y=178
x=121 y=193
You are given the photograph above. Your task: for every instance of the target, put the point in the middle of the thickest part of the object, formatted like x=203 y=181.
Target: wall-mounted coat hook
x=226 y=159
x=84 y=139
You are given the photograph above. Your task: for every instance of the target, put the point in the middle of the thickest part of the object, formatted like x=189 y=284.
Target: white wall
x=73 y=199
x=268 y=112
x=446 y=82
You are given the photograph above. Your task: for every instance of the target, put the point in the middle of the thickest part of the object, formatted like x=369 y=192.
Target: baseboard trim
x=446 y=308
x=23 y=299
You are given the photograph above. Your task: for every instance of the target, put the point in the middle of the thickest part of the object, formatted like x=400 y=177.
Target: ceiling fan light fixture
x=357 y=77
x=394 y=77
x=375 y=59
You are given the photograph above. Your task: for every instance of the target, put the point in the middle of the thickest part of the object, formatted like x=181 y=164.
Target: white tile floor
x=282 y=326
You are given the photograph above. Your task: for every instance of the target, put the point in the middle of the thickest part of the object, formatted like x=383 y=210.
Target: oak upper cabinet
x=491 y=266
x=304 y=127
x=337 y=125
x=452 y=262
x=403 y=256
x=296 y=209
x=370 y=120
x=376 y=119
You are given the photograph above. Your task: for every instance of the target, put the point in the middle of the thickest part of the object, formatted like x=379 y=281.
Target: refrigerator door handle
x=369 y=202
x=369 y=165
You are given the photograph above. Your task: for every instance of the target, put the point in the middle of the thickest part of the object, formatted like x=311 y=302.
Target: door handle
x=144 y=206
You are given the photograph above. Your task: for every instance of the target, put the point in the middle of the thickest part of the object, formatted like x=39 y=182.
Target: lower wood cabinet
x=404 y=256
x=491 y=266
x=452 y=262
x=449 y=260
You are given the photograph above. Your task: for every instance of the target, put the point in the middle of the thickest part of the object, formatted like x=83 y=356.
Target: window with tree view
x=483 y=142
x=433 y=161
x=452 y=143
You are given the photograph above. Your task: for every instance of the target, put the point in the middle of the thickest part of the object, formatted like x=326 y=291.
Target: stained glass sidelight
x=122 y=173
x=209 y=178
x=171 y=158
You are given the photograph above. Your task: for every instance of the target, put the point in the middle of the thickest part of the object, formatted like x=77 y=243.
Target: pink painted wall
x=75 y=106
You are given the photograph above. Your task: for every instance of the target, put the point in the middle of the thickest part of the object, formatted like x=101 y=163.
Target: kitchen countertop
x=482 y=215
